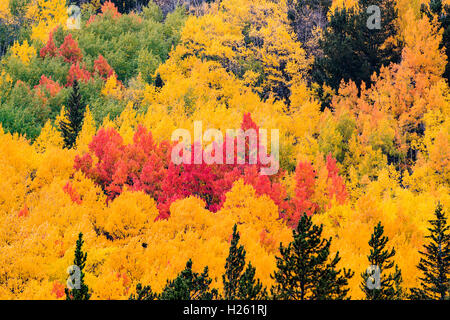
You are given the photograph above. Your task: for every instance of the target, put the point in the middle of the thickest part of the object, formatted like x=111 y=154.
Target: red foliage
x=91 y=19
x=49 y=49
x=70 y=51
x=145 y=165
x=24 y=212
x=109 y=8
x=50 y=86
x=336 y=186
x=305 y=179
x=58 y=289
x=70 y=190
x=139 y=166
x=102 y=67
x=77 y=73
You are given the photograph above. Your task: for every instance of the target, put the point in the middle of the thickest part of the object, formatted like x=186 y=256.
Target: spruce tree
x=143 y=293
x=352 y=50
x=72 y=125
x=238 y=284
x=389 y=285
x=304 y=270
x=435 y=261
x=159 y=83
x=250 y=288
x=189 y=285
x=80 y=261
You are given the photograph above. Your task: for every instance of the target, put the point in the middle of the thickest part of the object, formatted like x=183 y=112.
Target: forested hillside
x=87 y=117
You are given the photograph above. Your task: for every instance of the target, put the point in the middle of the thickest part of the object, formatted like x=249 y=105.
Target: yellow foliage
x=46 y=16
x=24 y=52
x=112 y=88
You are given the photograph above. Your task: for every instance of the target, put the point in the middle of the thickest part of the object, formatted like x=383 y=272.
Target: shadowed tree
x=72 y=124
x=304 y=270
x=435 y=261
x=189 y=285
x=388 y=286
x=77 y=278
x=238 y=284
x=353 y=47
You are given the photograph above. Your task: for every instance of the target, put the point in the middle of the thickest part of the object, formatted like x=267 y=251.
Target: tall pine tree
x=72 y=124
x=238 y=284
x=388 y=286
x=435 y=261
x=352 y=50
x=304 y=270
x=82 y=293
x=189 y=285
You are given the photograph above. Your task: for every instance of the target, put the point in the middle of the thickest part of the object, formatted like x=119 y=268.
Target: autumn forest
x=93 y=205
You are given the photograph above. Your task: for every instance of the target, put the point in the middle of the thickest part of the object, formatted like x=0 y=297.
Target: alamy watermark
x=374 y=20
x=74 y=279
x=74 y=19
x=374 y=279
x=220 y=151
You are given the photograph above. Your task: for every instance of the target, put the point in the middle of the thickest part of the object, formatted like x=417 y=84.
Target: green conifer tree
x=77 y=279
x=189 y=285
x=376 y=284
x=435 y=261
x=250 y=288
x=304 y=271
x=159 y=83
x=237 y=283
x=72 y=125
x=143 y=293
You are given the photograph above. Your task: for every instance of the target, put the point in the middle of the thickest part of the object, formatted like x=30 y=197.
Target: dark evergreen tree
x=78 y=279
x=435 y=261
x=143 y=293
x=238 y=284
x=352 y=50
x=189 y=285
x=159 y=83
x=73 y=123
x=437 y=9
x=250 y=288
x=233 y=267
x=126 y=6
x=304 y=271
x=388 y=286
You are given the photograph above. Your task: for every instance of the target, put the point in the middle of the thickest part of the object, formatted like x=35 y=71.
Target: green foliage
x=238 y=284
x=435 y=261
x=389 y=285
x=189 y=285
x=131 y=44
x=127 y=40
x=304 y=271
x=250 y=288
x=72 y=125
x=80 y=261
x=143 y=293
